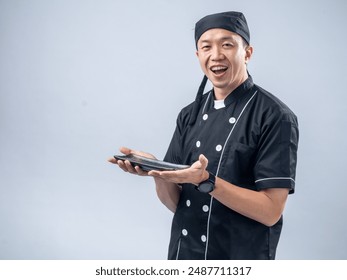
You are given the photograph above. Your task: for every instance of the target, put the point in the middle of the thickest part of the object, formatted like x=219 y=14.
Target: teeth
x=217 y=68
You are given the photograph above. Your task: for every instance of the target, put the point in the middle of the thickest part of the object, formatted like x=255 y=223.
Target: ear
x=249 y=52
x=197 y=53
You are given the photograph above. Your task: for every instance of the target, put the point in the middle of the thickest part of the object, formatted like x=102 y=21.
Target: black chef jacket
x=252 y=143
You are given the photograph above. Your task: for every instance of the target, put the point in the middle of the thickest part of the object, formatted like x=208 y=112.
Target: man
x=241 y=143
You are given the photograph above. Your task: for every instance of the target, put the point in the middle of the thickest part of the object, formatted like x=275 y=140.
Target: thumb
x=204 y=161
x=125 y=150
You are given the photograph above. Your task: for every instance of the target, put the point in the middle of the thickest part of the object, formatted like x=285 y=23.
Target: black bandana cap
x=232 y=21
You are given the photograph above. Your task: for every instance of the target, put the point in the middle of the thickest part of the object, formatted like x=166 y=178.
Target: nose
x=217 y=54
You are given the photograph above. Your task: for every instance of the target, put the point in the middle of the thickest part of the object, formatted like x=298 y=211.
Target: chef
x=241 y=144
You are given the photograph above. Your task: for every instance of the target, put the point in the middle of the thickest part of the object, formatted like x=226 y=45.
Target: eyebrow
x=220 y=39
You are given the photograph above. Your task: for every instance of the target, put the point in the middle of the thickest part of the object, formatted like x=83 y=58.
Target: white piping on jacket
x=219 y=163
x=275 y=178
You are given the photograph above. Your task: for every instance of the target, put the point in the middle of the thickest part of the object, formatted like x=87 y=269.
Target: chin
x=220 y=85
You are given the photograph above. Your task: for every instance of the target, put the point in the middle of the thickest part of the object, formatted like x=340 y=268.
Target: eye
x=205 y=47
x=228 y=45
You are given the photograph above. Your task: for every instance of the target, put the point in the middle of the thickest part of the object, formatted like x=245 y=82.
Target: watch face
x=206 y=187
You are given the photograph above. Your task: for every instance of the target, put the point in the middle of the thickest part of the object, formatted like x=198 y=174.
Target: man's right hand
x=126 y=165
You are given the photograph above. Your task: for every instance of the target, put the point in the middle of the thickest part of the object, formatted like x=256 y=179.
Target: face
x=223 y=57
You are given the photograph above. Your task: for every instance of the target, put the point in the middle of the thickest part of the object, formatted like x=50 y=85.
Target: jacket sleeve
x=276 y=159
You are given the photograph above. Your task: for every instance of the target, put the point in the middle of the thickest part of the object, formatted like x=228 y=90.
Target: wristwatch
x=208 y=185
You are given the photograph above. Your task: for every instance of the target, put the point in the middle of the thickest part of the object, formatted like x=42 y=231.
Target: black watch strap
x=208 y=185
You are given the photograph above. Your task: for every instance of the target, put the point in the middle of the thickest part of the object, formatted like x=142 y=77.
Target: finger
x=140 y=171
x=154 y=173
x=129 y=167
x=125 y=150
x=126 y=166
x=112 y=160
x=204 y=161
x=121 y=164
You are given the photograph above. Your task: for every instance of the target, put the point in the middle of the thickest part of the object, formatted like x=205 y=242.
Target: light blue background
x=79 y=79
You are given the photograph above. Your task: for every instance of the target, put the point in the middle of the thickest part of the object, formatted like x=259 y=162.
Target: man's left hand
x=195 y=174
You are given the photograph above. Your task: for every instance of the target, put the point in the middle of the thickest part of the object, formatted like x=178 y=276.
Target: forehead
x=216 y=34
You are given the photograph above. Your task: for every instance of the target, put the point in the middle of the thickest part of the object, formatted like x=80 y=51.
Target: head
x=223 y=50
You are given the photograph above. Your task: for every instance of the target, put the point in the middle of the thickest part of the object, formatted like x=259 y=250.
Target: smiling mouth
x=218 y=69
